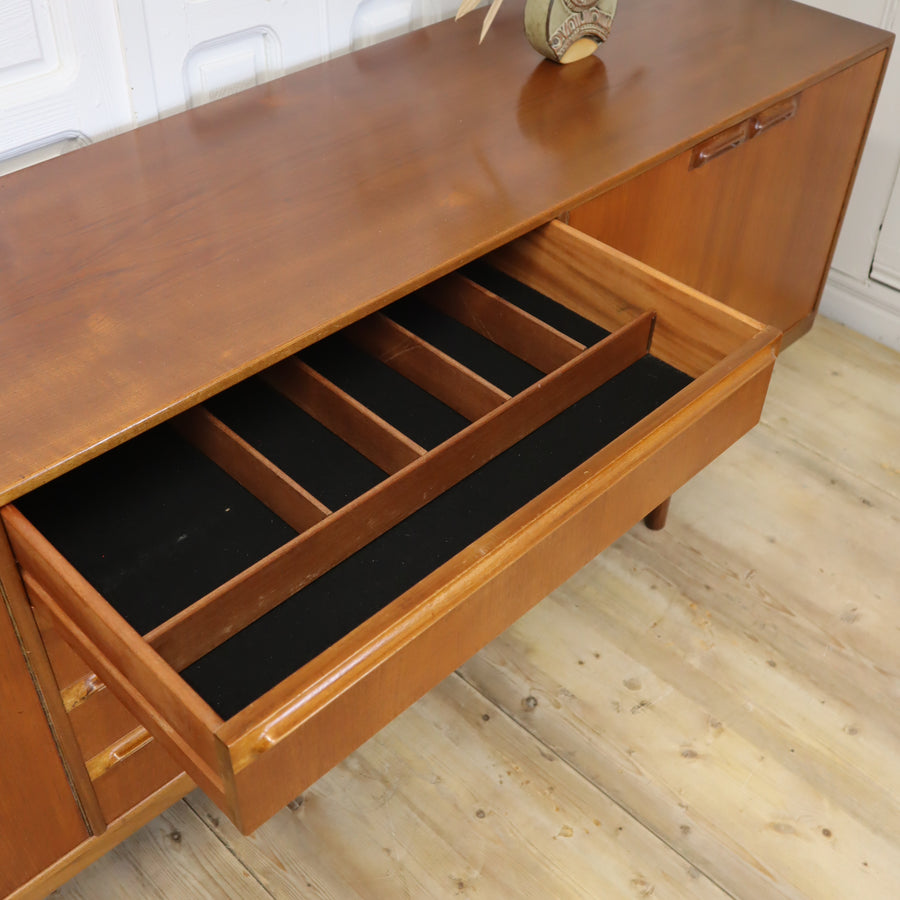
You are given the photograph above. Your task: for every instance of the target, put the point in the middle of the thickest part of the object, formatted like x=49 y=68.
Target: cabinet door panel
x=39 y=819
x=754 y=224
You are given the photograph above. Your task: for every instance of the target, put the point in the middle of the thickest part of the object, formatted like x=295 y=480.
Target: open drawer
x=271 y=577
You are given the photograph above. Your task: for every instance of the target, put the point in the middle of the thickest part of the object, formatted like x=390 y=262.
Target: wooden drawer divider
x=246 y=465
x=514 y=329
x=431 y=369
x=349 y=419
x=205 y=624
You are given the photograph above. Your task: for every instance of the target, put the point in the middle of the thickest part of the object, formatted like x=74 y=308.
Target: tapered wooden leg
x=656 y=519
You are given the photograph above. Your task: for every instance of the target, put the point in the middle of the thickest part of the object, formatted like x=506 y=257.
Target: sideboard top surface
x=146 y=272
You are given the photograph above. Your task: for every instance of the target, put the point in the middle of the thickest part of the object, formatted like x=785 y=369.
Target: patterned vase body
x=567 y=30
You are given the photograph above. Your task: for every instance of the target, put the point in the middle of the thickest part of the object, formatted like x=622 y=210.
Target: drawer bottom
x=337 y=602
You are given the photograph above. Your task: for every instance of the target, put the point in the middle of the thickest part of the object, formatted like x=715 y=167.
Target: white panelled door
x=76 y=71
x=188 y=52
x=183 y=53
x=62 y=78
x=886 y=266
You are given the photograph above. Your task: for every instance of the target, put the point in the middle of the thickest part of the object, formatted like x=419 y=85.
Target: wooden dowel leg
x=656 y=518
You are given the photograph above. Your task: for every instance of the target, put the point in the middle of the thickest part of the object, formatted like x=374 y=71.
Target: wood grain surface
x=285 y=739
x=208 y=868
x=151 y=270
x=713 y=704
x=39 y=817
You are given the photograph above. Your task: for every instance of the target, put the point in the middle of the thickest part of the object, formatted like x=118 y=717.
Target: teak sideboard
x=309 y=393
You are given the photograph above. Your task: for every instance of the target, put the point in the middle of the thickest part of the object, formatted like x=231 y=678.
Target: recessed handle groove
x=775 y=115
x=228 y=450
x=720 y=144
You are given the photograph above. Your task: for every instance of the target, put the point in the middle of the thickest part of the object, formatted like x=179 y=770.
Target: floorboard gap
x=220 y=838
x=585 y=777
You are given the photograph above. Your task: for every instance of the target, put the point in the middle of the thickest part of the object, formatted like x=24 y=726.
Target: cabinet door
x=750 y=216
x=39 y=819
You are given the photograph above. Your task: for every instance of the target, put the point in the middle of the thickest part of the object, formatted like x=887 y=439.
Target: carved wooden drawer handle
x=108 y=758
x=727 y=140
x=733 y=137
x=774 y=115
x=77 y=692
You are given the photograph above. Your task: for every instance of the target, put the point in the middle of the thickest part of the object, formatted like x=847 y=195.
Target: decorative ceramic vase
x=568 y=30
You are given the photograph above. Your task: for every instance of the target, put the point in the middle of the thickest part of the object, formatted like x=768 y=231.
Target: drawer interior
x=341 y=599
x=156 y=525
x=247 y=538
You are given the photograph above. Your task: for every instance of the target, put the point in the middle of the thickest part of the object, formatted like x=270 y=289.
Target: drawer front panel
x=594 y=434
x=97 y=716
x=332 y=718
x=123 y=762
x=133 y=776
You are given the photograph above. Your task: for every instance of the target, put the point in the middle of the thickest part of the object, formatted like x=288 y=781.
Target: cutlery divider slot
x=431 y=369
x=246 y=465
x=153 y=525
x=361 y=544
x=520 y=333
x=307 y=452
x=480 y=354
x=250 y=595
x=518 y=293
x=342 y=414
x=407 y=407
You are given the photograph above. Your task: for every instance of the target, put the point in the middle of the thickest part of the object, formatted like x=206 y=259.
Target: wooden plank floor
x=707 y=711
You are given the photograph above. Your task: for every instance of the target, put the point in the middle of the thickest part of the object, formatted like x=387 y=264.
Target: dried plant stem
x=468 y=5
x=492 y=12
